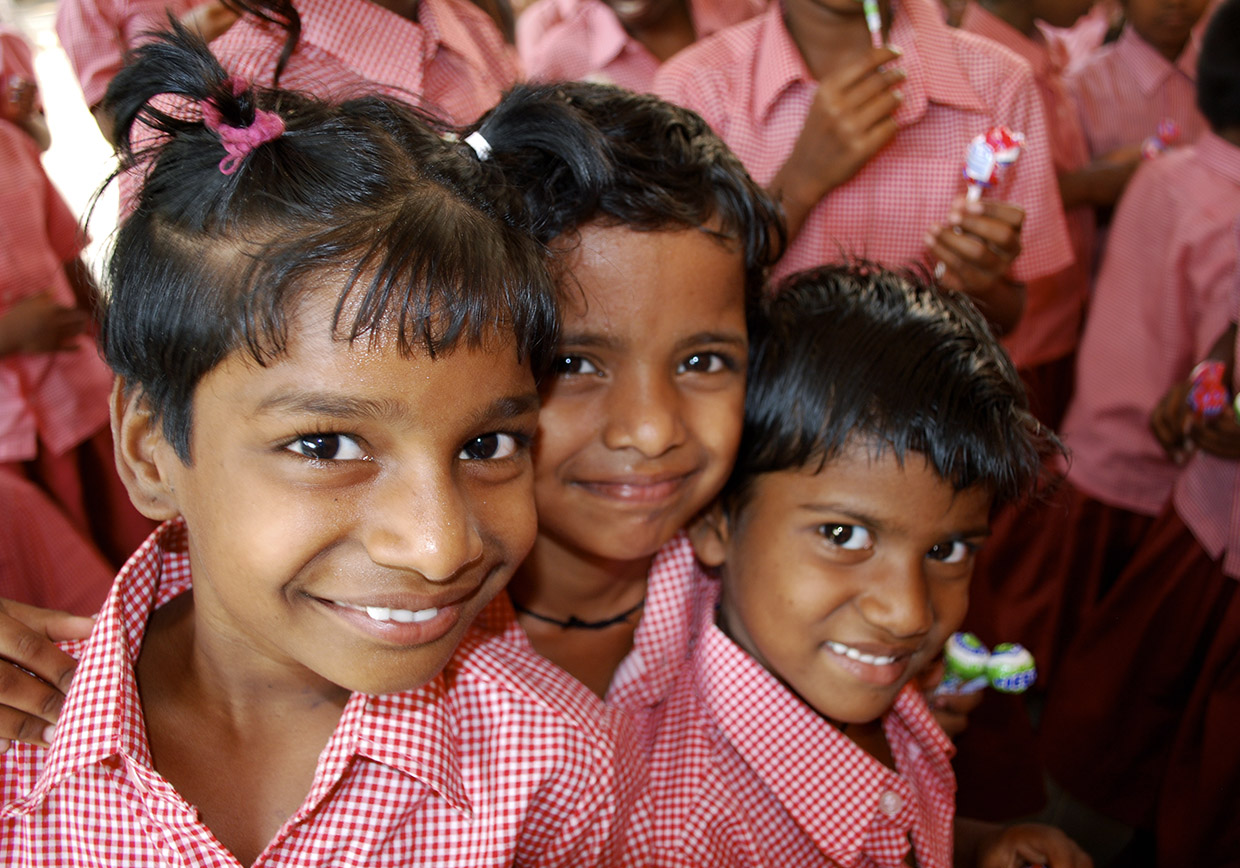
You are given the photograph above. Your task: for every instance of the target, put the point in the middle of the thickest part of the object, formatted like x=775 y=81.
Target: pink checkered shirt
x=16 y=59
x=1207 y=494
x=1127 y=88
x=97 y=33
x=751 y=85
x=1056 y=304
x=1162 y=300
x=662 y=642
x=499 y=759
x=583 y=39
x=453 y=60
x=58 y=398
x=744 y=773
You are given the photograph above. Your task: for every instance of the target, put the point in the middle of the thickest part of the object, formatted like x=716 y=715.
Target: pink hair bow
x=240 y=141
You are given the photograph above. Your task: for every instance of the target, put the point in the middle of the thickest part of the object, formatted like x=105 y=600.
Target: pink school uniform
x=1127 y=88
x=583 y=39
x=1117 y=700
x=751 y=85
x=1196 y=811
x=452 y=60
x=54 y=406
x=744 y=773
x=97 y=33
x=675 y=589
x=499 y=758
x=16 y=59
x=1069 y=152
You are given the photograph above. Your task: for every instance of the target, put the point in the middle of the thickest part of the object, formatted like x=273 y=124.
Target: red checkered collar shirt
x=583 y=39
x=752 y=86
x=500 y=758
x=453 y=59
x=663 y=640
x=743 y=773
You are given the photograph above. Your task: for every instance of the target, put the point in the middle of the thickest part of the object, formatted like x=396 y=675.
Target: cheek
x=507 y=518
x=950 y=601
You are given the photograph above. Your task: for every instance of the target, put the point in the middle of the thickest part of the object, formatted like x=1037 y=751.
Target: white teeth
x=853 y=654
x=400 y=616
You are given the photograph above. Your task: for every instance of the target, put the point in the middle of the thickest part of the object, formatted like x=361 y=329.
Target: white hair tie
x=479 y=143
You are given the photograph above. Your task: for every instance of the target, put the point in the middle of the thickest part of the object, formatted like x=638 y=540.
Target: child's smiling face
x=350 y=510
x=844 y=583
x=640 y=424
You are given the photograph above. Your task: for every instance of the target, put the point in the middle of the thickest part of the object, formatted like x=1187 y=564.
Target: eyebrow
x=352 y=407
x=594 y=339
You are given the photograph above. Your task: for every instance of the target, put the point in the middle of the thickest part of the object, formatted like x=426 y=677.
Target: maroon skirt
x=1121 y=686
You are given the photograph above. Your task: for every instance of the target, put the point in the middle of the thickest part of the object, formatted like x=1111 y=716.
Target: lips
x=400 y=616
x=401 y=621
x=876 y=665
x=637 y=489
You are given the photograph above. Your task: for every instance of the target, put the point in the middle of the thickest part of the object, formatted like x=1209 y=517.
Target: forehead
x=621 y=280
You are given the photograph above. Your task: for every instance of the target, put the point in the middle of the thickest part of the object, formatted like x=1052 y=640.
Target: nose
x=644 y=412
x=898 y=602
x=422 y=523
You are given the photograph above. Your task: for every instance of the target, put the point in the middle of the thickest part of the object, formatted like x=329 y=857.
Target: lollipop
x=874 y=21
x=968 y=666
x=1011 y=668
x=1207 y=397
x=988 y=156
x=1168 y=134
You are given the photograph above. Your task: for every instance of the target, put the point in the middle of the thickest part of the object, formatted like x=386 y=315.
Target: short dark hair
x=579 y=152
x=361 y=195
x=856 y=351
x=1218 y=68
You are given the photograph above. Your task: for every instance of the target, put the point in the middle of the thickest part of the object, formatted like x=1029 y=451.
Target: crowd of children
x=556 y=473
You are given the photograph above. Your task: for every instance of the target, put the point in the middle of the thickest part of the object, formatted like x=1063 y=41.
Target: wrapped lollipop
x=988 y=156
x=1167 y=134
x=1207 y=397
x=968 y=666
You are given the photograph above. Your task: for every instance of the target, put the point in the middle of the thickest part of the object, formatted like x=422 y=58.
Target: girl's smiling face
x=350 y=509
x=641 y=421
x=845 y=582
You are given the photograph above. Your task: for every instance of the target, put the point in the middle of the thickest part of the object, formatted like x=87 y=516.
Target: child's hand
x=1169 y=422
x=951 y=710
x=39 y=325
x=850 y=120
x=29 y=704
x=1030 y=844
x=976 y=247
x=19 y=99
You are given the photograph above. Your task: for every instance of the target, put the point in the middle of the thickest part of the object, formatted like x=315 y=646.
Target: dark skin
x=851 y=119
x=1180 y=434
x=664 y=27
x=246 y=763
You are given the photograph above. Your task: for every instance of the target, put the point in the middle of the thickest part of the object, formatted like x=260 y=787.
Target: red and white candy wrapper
x=1207 y=397
x=988 y=155
x=1168 y=134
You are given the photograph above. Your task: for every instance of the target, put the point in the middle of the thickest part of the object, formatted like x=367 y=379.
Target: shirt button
x=890 y=803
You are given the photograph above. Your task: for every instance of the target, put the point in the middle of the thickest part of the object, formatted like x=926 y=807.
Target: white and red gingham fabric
x=499 y=759
x=744 y=773
x=452 y=61
x=1127 y=88
x=583 y=39
x=1055 y=307
x=675 y=587
x=1207 y=494
x=60 y=398
x=1162 y=299
x=96 y=34
x=751 y=85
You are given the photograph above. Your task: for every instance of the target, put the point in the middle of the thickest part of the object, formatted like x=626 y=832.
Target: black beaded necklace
x=575 y=623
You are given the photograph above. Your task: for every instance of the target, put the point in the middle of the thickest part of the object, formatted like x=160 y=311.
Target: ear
x=710 y=533
x=141 y=453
